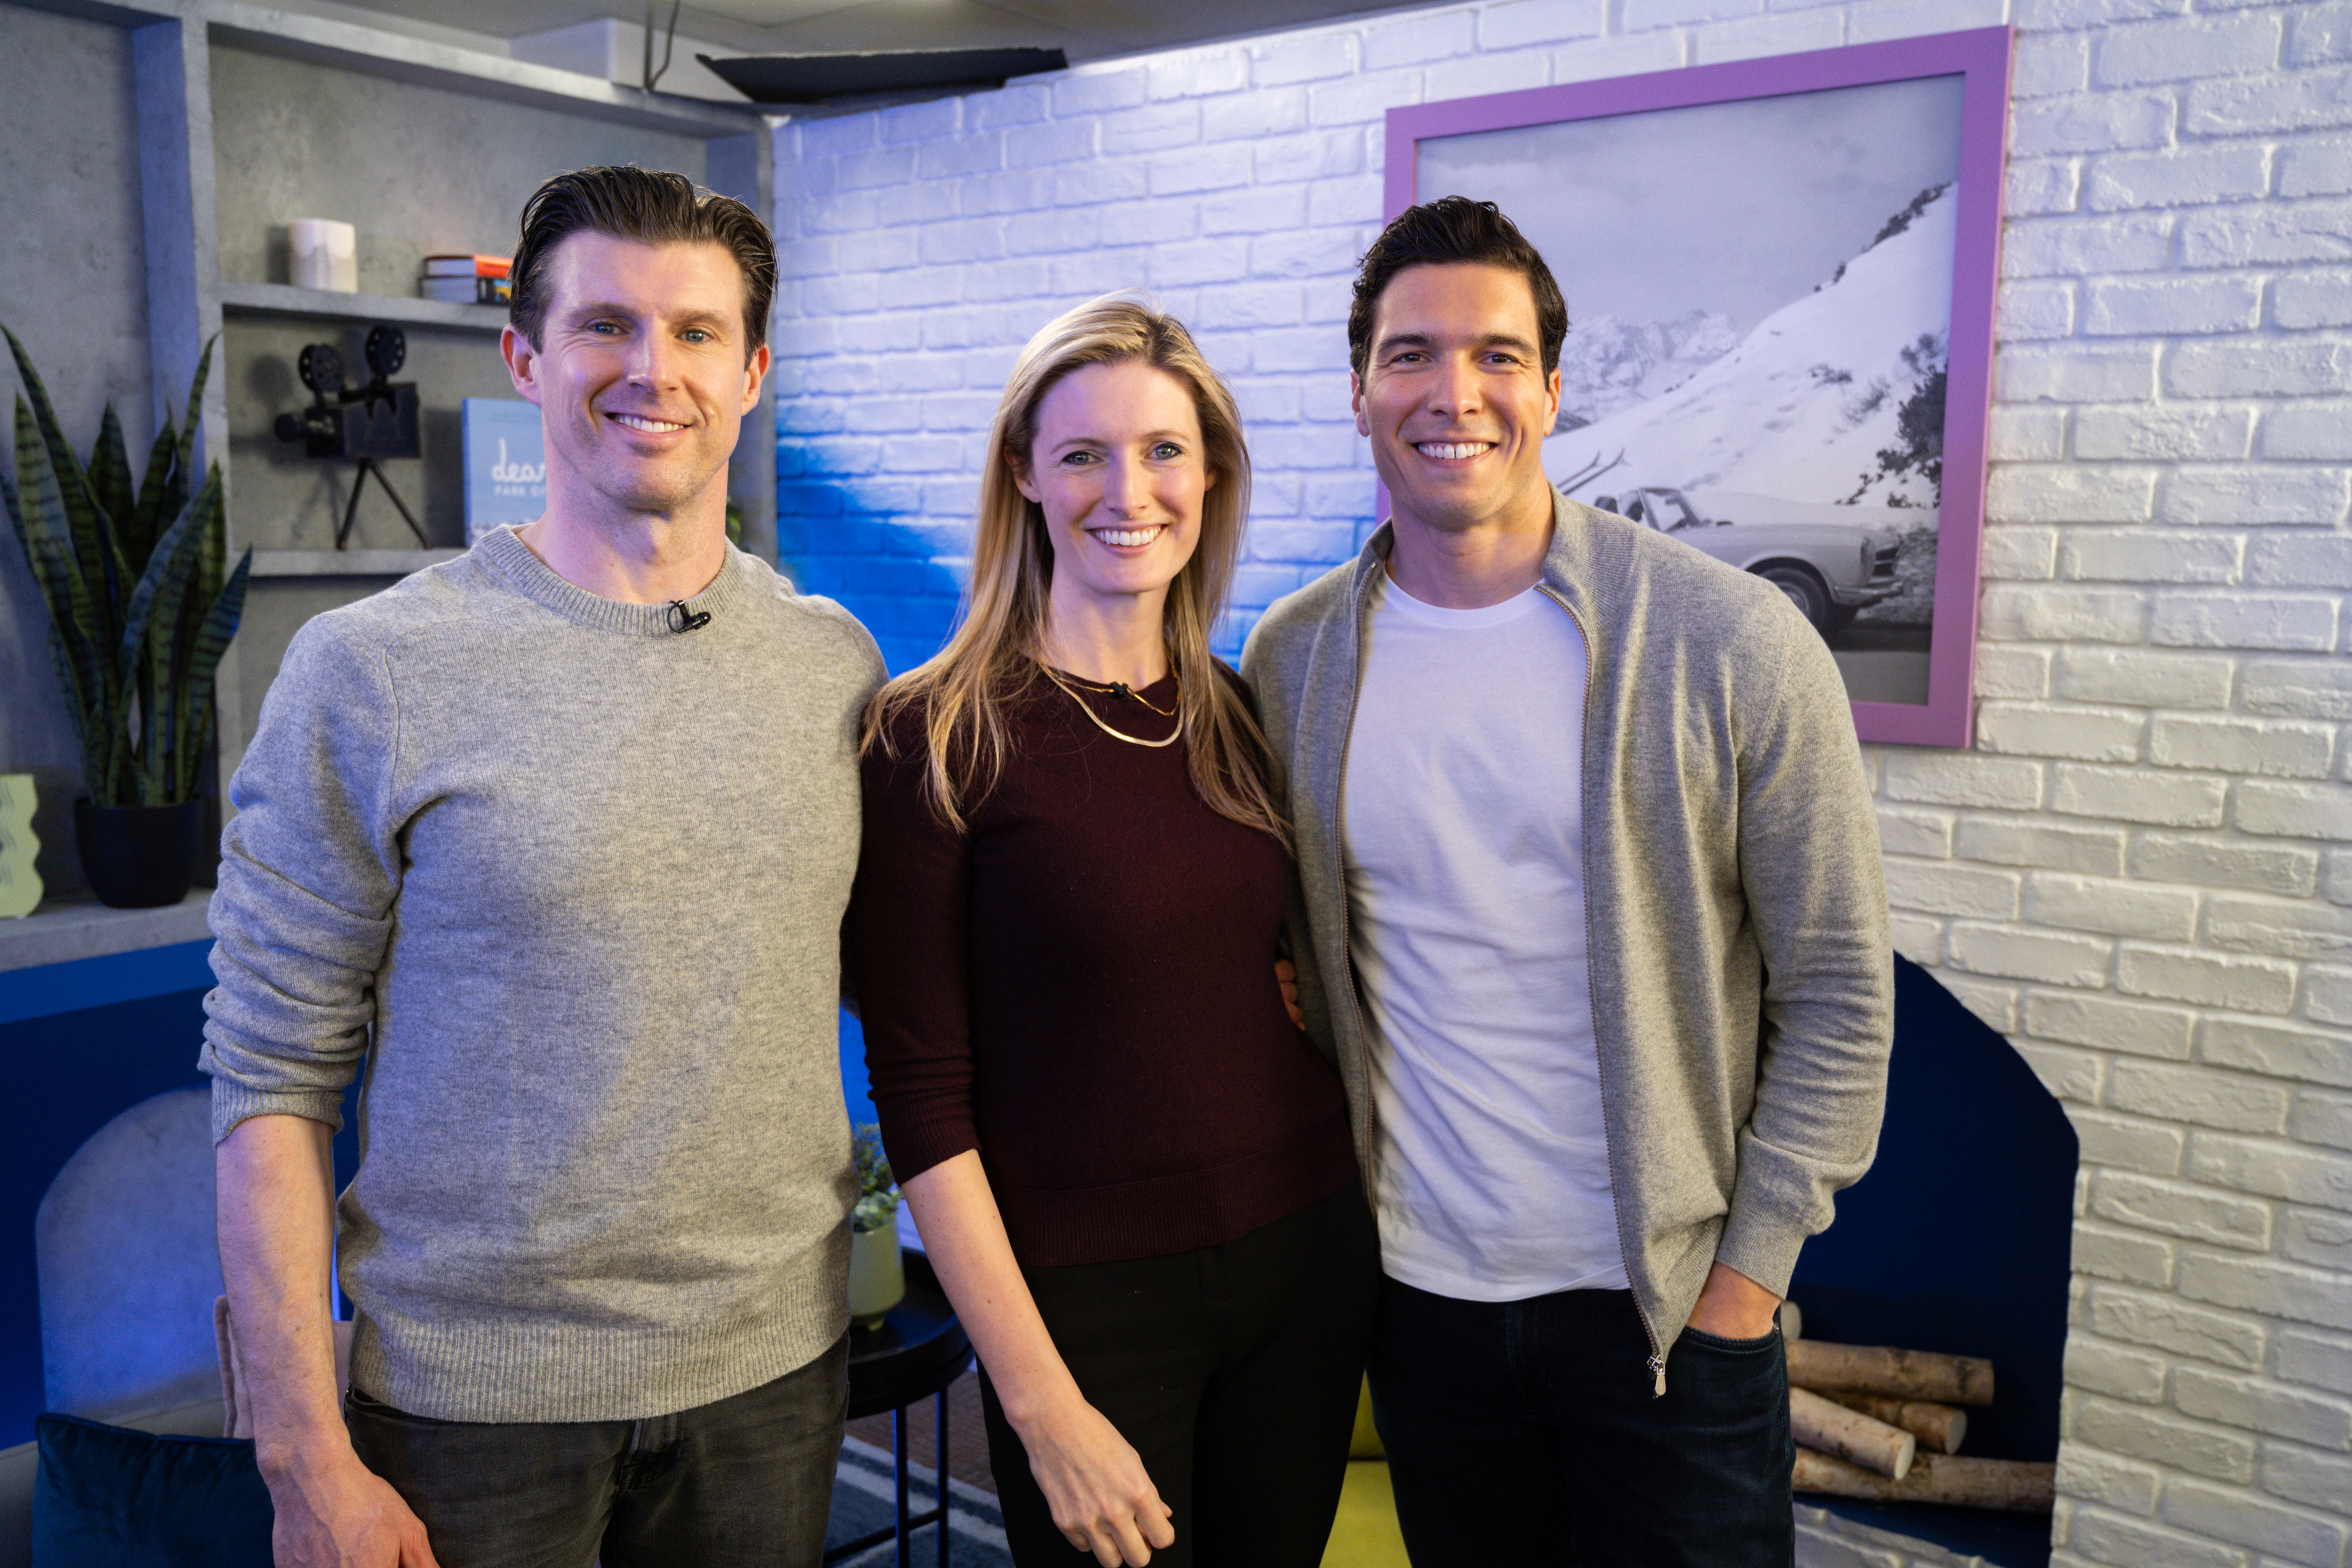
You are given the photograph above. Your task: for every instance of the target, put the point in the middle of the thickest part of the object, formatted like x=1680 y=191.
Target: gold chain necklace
x=1114 y=734
x=1125 y=693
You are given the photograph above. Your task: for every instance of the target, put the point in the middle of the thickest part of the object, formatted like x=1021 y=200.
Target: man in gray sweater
x=554 y=841
x=1594 y=925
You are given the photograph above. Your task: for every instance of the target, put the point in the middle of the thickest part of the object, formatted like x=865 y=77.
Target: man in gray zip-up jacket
x=1605 y=971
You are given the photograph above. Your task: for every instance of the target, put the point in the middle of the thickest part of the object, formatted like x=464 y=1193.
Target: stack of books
x=468 y=279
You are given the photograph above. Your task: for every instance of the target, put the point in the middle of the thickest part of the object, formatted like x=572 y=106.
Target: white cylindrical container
x=326 y=255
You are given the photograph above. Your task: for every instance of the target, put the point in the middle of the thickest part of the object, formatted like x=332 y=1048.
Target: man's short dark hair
x=650 y=206
x=1448 y=232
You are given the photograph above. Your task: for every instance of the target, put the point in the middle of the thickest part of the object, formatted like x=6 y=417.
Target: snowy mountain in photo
x=1836 y=397
x=1607 y=365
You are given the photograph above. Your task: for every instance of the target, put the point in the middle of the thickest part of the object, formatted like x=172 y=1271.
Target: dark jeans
x=740 y=1482
x=1233 y=1371
x=1525 y=1432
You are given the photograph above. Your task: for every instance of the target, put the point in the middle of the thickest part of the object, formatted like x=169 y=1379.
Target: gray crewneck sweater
x=584 y=875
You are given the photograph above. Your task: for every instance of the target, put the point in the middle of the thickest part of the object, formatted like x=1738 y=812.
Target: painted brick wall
x=2140 y=875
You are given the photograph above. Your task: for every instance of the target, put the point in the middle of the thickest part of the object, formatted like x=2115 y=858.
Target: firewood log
x=1938 y=1428
x=1896 y=1374
x=1849 y=1435
x=2015 y=1486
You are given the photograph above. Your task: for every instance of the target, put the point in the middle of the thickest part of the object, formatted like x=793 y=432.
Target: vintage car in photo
x=1831 y=568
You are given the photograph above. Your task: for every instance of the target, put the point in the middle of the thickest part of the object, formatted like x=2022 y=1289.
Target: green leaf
x=194 y=718
x=48 y=544
x=156 y=601
x=147 y=514
x=16 y=513
x=154 y=607
x=74 y=703
x=62 y=455
x=176 y=639
x=49 y=547
x=152 y=741
x=174 y=636
x=195 y=409
x=93 y=544
x=211 y=554
x=163 y=623
x=58 y=659
x=110 y=486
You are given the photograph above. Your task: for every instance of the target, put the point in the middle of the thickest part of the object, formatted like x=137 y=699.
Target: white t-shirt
x=1464 y=834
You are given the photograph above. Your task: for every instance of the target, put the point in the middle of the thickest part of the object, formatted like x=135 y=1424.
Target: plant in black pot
x=141 y=611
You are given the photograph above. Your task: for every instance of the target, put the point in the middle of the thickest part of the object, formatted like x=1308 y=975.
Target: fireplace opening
x=1958 y=1241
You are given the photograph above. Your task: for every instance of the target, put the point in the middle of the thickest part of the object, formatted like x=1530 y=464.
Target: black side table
x=918 y=1349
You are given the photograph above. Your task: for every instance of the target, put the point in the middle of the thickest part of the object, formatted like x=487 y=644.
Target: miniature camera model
x=376 y=421
x=372 y=423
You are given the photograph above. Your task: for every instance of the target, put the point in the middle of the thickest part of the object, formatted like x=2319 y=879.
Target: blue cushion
x=139 y=1500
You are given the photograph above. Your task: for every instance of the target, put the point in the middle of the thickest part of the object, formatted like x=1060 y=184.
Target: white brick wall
x=2139 y=874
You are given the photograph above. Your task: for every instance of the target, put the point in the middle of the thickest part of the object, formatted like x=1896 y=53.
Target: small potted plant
x=141 y=611
x=877 y=1278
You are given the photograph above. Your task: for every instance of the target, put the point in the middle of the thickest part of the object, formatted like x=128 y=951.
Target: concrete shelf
x=347 y=562
x=284 y=299
x=397 y=56
x=62 y=930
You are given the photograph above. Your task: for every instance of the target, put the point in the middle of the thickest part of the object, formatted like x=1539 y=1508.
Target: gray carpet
x=862 y=1489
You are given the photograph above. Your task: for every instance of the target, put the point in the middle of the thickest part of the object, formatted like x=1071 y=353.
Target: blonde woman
x=1132 y=1171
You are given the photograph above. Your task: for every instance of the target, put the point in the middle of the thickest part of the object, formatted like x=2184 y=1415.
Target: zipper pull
x=1658 y=1367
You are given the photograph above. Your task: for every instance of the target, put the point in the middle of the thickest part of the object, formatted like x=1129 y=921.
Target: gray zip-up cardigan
x=1742 y=975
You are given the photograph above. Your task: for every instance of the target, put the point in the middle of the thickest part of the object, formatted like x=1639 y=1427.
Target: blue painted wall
x=840 y=534
x=894 y=550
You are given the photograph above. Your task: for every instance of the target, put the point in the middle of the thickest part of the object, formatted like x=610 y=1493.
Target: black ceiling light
x=802 y=80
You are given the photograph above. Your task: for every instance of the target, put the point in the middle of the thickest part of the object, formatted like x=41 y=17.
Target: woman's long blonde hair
x=964 y=689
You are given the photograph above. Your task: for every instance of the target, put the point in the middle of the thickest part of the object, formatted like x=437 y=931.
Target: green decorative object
x=878 y=1274
x=20 y=884
x=141 y=610
x=878 y=1189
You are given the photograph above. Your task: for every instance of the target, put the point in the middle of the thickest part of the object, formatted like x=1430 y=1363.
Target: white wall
x=2139 y=874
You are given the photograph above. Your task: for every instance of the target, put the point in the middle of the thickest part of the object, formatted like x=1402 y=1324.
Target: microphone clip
x=682 y=620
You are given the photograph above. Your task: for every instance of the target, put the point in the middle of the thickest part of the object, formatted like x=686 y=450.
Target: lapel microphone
x=682 y=620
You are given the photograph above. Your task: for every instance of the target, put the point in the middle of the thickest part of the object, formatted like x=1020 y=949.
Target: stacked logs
x=1885 y=1424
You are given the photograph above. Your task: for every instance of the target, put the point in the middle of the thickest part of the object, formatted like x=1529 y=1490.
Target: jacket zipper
x=1340 y=867
x=1657 y=1362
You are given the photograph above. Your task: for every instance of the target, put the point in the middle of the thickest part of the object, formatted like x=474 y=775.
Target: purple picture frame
x=1981 y=57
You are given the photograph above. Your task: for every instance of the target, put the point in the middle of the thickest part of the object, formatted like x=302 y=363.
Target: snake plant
x=139 y=609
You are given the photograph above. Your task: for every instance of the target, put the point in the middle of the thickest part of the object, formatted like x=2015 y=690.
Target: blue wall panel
x=69 y=1074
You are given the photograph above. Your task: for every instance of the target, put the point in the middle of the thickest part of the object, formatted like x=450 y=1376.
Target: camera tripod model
x=376 y=421
x=351 y=507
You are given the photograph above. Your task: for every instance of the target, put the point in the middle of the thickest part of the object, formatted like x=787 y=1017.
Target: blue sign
x=506 y=465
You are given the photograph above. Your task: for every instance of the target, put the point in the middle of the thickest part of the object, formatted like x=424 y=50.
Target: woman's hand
x=1285 y=979
x=1093 y=1478
x=1095 y=1483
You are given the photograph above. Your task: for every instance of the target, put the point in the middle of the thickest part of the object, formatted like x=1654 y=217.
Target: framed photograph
x=1780 y=276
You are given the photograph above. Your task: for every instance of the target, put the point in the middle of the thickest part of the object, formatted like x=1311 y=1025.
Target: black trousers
x=1234 y=1372
x=741 y=1482
x=1527 y=1433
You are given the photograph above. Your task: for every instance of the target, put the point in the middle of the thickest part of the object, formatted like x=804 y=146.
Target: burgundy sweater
x=1081 y=987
